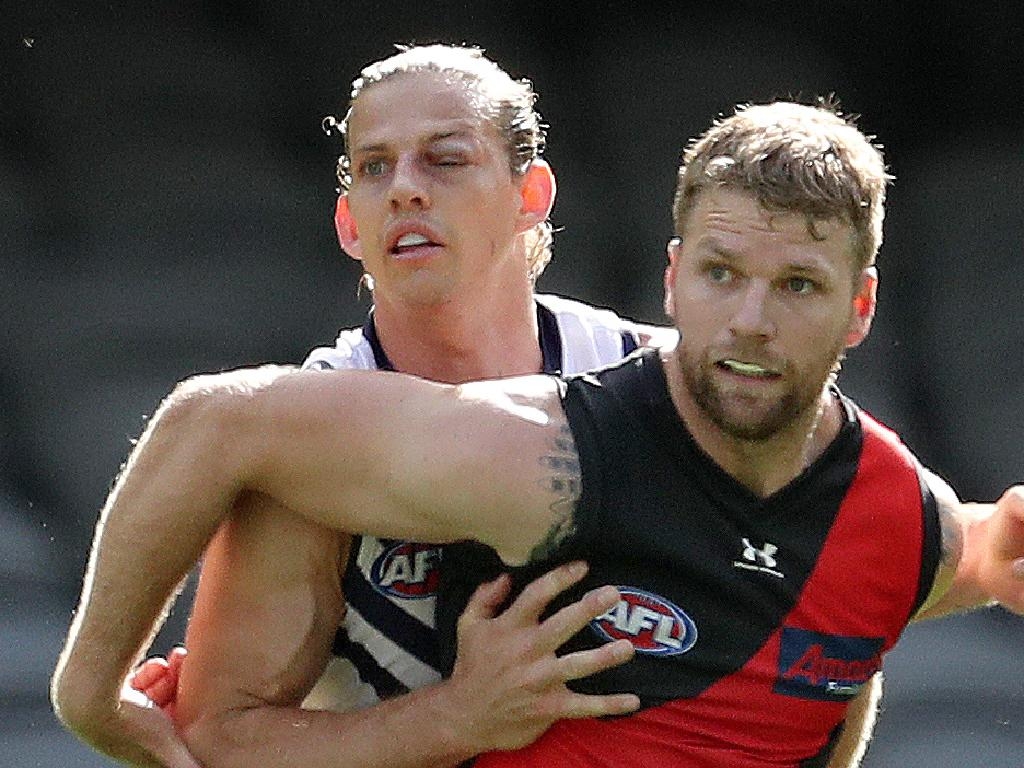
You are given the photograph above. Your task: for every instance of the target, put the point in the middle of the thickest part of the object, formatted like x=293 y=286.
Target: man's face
x=432 y=195
x=764 y=311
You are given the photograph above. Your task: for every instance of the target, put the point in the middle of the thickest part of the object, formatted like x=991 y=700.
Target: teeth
x=413 y=238
x=747 y=369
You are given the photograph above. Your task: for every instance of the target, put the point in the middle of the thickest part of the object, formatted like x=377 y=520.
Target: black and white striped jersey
x=386 y=644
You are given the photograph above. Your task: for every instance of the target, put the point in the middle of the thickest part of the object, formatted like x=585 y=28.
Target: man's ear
x=670 y=274
x=345 y=226
x=537 y=194
x=864 y=304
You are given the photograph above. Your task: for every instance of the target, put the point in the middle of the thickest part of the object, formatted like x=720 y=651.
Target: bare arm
x=858 y=726
x=261 y=628
x=982 y=559
x=350 y=450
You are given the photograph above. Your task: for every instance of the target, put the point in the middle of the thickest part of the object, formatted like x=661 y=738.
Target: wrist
x=458 y=727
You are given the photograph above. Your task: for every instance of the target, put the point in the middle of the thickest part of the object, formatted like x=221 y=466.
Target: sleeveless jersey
x=387 y=644
x=755 y=620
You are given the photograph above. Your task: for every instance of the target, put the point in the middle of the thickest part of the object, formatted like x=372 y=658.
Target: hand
x=148 y=737
x=509 y=682
x=1000 y=548
x=132 y=730
x=157 y=678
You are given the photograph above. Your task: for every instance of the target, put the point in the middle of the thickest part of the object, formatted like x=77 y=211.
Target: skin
x=270 y=596
x=424 y=162
x=768 y=310
x=418 y=459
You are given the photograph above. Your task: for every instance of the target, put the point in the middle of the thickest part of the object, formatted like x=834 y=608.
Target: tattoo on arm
x=562 y=480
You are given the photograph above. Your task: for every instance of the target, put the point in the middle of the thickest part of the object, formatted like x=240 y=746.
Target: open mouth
x=749 y=370
x=411 y=243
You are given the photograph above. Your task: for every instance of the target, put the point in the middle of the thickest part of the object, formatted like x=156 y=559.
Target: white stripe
x=339 y=689
x=409 y=670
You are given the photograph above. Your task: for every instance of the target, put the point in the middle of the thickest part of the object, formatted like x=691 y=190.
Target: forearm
x=426 y=728
x=163 y=509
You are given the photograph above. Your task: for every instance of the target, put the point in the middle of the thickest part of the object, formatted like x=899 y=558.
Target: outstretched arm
x=383 y=453
x=982 y=554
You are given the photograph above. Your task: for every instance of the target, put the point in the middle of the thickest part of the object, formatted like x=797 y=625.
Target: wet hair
x=795 y=158
x=508 y=104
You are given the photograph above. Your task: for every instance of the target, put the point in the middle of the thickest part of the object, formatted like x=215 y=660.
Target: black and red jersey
x=756 y=620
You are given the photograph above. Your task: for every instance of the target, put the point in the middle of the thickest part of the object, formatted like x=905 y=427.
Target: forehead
x=415 y=106
x=733 y=222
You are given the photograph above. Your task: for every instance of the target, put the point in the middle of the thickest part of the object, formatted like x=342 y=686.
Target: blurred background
x=165 y=208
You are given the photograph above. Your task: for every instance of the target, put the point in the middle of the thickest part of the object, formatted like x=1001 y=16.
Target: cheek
x=363 y=213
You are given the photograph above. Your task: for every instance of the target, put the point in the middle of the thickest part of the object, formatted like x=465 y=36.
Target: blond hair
x=507 y=103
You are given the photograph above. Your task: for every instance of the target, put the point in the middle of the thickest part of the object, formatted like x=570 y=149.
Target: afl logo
x=407 y=570
x=651 y=623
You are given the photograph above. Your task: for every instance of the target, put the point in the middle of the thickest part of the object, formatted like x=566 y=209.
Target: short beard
x=793 y=405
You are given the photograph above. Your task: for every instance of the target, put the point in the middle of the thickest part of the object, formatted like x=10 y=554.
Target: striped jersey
x=387 y=643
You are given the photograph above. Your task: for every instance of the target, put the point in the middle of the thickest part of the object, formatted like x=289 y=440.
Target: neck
x=461 y=340
x=763 y=466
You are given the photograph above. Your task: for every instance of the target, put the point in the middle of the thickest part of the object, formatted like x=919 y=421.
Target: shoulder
x=351 y=350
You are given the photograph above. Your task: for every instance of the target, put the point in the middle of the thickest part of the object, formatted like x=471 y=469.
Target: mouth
x=748 y=370
x=413 y=243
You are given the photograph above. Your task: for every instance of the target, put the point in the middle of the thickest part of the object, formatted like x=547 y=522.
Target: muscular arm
x=265 y=613
x=980 y=544
x=383 y=453
x=266 y=609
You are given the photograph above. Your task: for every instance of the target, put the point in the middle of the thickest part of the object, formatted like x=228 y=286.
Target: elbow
x=68 y=708
x=77 y=705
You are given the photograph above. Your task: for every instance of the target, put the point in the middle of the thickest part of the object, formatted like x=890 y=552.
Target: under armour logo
x=760 y=559
x=764 y=554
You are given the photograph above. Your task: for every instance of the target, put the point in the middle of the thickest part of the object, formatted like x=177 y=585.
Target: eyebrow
x=381 y=146
x=810 y=267
x=712 y=244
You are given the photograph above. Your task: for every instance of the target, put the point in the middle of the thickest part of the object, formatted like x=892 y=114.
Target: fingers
x=157 y=677
x=150 y=671
x=578 y=705
x=164 y=691
x=574 y=617
x=528 y=607
x=574 y=666
x=486 y=599
x=175 y=659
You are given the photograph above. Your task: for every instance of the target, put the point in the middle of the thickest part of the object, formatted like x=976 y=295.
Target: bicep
x=266 y=609
x=396 y=456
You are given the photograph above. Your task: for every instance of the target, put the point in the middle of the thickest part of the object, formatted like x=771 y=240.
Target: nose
x=752 y=315
x=408 y=188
